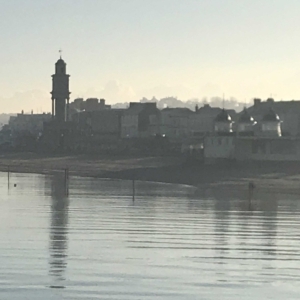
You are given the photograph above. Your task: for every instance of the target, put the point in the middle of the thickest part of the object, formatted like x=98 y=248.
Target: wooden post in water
x=8 y=175
x=67 y=181
x=133 y=190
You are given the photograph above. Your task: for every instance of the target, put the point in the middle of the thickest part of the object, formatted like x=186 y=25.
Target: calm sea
x=170 y=243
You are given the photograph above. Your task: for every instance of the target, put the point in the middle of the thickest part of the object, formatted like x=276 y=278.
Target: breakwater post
x=133 y=189
x=8 y=175
x=67 y=181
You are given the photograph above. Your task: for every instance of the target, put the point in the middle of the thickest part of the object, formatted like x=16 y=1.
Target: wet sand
x=275 y=177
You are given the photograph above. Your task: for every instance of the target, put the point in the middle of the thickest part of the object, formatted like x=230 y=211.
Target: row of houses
x=92 y=119
x=268 y=130
x=142 y=120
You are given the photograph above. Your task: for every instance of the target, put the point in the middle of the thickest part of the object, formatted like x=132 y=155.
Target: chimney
x=257 y=101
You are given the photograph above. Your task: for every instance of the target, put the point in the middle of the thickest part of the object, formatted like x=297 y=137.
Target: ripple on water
x=169 y=244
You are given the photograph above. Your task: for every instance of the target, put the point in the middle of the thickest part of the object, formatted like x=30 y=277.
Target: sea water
x=171 y=242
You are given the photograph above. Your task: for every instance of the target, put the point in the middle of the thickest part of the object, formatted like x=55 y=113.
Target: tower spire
x=60 y=52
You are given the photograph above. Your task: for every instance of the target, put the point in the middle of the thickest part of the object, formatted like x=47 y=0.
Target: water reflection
x=222 y=211
x=269 y=207
x=58 y=230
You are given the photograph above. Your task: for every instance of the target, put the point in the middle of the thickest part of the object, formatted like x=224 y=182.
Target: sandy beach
x=275 y=177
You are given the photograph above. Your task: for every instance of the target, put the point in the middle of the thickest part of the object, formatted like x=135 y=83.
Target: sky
x=123 y=50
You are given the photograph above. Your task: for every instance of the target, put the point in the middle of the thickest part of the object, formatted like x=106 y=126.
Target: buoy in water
x=15 y=185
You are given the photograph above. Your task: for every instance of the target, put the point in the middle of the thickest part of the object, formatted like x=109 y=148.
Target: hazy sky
x=125 y=49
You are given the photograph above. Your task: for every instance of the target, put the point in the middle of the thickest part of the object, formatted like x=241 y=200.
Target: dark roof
x=60 y=62
x=281 y=107
x=207 y=107
x=178 y=110
x=139 y=107
x=245 y=117
x=271 y=116
x=223 y=116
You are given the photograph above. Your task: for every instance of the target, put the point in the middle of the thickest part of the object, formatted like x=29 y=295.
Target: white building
x=219 y=147
x=271 y=124
x=223 y=122
x=246 y=143
x=245 y=123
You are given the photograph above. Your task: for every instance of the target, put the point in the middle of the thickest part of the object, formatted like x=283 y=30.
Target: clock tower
x=60 y=92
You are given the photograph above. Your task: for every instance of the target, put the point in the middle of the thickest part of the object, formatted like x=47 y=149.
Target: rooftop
x=281 y=107
x=223 y=116
x=271 y=116
x=245 y=117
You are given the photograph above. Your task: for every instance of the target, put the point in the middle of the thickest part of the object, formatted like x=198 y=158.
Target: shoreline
x=268 y=177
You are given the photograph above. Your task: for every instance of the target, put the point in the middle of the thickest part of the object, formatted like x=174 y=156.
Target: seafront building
x=261 y=140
